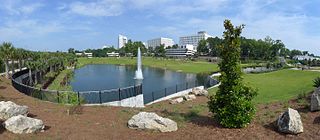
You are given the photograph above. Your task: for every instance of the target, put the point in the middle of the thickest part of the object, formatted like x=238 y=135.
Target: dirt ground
x=193 y=118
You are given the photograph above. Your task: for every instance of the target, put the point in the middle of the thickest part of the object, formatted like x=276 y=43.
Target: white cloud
x=28 y=9
x=19 y=8
x=97 y=9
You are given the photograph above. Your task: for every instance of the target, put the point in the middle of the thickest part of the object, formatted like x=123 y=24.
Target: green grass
x=172 y=64
x=55 y=85
x=280 y=85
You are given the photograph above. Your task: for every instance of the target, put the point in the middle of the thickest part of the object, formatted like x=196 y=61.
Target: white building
x=194 y=39
x=153 y=43
x=84 y=54
x=184 y=51
x=305 y=57
x=122 y=41
x=113 y=54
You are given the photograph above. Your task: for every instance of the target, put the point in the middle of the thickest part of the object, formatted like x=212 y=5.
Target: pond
x=98 y=77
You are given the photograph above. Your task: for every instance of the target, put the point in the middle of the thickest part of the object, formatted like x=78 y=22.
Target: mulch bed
x=111 y=122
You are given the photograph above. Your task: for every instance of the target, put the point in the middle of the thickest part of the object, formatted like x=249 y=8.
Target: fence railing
x=20 y=82
x=158 y=94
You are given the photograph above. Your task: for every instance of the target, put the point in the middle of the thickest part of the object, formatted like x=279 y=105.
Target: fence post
x=165 y=92
x=100 y=97
x=119 y=94
x=78 y=97
x=58 y=96
x=41 y=96
x=176 y=88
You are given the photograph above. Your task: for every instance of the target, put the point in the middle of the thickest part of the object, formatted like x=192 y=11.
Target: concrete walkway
x=16 y=70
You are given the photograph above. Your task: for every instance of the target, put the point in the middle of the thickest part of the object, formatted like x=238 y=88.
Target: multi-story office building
x=183 y=51
x=194 y=39
x=122 y=41
x=153 y=43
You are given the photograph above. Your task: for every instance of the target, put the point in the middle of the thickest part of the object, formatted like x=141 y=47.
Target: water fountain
x=139 y=75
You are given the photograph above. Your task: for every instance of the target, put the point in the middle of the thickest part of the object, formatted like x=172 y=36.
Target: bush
x=316 y=82
x=232 y=104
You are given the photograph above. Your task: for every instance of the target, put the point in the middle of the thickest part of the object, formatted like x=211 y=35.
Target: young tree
x=202 y=47
x=232 y=103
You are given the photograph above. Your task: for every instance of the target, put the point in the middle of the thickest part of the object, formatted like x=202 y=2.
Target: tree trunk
x=30 y=77
x=36 y=77
x=7 y=69
x=20 y=64
x=12 y=67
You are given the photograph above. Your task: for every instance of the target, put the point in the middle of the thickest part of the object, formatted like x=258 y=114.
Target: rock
x=199 y=92
x=152 y=121
x=9 y=109
x=176 y=101
x=315 y=100
x=189 y=97
x=22 y=124
x=290 y=122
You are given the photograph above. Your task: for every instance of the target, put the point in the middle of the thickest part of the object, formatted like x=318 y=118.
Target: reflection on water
x=104 y=77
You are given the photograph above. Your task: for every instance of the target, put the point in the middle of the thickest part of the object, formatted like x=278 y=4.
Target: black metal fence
x=20 y=81
x=155 y=95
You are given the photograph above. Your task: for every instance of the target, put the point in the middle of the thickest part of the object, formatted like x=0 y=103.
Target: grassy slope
x=178 y=65
x=280 y=85
x=55 y=85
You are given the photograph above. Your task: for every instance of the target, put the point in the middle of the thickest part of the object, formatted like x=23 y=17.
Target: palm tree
x=21 y=56
x=5 y=51
x=30 y=66
x=13 y=56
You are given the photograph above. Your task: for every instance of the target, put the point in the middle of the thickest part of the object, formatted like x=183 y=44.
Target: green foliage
x=70 y=98
x=232 y=103
x=316 y=82
x=160 y=51
x=203 y=47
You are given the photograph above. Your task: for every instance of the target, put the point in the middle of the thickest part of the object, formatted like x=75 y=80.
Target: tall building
x=122 y=41
x=194 y=39
x=153 y=43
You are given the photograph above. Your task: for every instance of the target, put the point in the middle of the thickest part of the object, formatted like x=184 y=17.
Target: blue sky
x=58 y=25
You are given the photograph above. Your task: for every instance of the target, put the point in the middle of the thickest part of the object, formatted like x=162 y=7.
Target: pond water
x=98 y=77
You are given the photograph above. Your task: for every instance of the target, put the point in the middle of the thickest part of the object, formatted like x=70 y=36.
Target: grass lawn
x=280 y=85
x=172 y=64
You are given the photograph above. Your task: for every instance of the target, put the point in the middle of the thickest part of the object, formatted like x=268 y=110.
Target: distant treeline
x=266 y=49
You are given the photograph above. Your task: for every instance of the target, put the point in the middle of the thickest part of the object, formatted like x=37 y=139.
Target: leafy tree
x=160 y=51
x=202 y=47
x=213 y=45
x=232 y=103
x=71 y=50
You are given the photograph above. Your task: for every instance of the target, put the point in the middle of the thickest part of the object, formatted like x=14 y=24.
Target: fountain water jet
x=139 y=75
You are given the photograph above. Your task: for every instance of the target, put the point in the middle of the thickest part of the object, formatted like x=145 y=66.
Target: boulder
x=189 y=97
x=22 y=124
x=176 y=101
x=199 y=92
x=290 y=122
x=151 y=121
x=315 y=100
x=9 y=109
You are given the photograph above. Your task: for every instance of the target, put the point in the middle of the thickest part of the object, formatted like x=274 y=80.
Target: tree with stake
x=232 y=104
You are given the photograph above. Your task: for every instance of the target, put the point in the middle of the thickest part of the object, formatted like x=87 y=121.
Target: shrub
x=316 y=82
x=232 y=104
